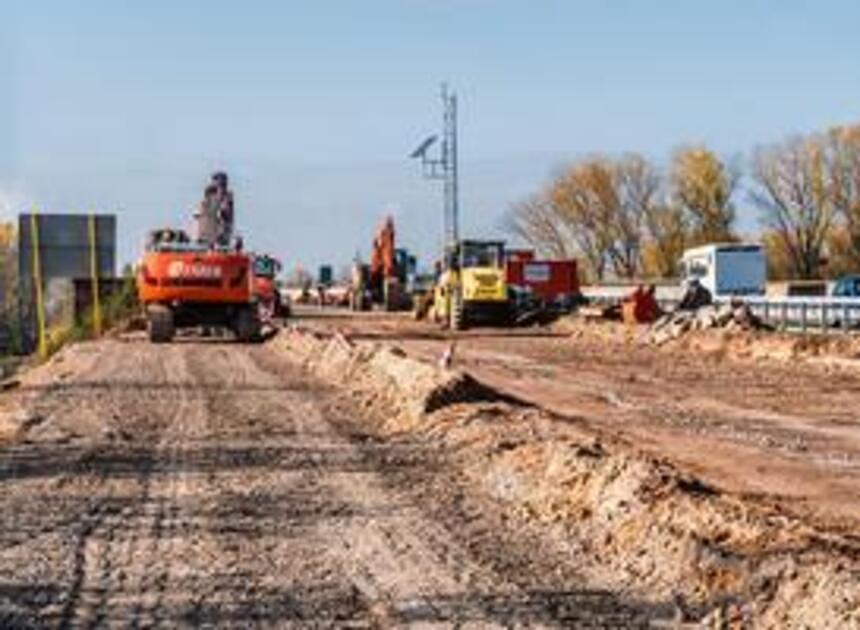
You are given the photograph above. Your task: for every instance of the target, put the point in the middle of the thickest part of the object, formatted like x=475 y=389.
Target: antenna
x=422 y=148
x=444 y=167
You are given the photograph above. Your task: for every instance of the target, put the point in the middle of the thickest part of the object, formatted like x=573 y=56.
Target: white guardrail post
x=803 y=318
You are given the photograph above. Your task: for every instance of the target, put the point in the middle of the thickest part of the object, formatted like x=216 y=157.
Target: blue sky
x=312 y=105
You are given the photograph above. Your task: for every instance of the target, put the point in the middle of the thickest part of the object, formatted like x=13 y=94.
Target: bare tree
x=842 y=165
x=792 y=195
x=703 y=186
x=636 y=184
x=536 y=221
x=595 y=209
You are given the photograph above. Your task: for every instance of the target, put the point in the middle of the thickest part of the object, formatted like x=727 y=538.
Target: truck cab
x=472 y=288
x=847 y=286
x=726 y=269
x=481 y=268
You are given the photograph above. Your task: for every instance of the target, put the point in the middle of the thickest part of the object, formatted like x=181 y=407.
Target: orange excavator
x=206 y=281
x=383 y=267
x=385 y=280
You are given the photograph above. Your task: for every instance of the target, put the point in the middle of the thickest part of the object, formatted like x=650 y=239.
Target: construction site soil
x=336 y=476
x=215 y=484
x=717 y=471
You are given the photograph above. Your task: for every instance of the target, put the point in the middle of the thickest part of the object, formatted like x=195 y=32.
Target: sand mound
x=638 y=524
x=627 y=520
x=388 y=380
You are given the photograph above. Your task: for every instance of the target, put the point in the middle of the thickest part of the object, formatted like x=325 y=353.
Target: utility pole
x=449 y=162
x=444 y=166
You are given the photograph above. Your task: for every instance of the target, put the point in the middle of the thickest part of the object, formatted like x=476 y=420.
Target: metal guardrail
x=793 y=314
x=824 y=314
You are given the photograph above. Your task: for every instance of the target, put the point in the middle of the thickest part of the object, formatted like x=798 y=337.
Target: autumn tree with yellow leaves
x=584 y=198
x=841 y=162
x=667 y=237
x=608 y=212
x=702 y=188
x=9 y=304
x=622 y=215
x=8 y=267
x=597 y=209
x=536 y=221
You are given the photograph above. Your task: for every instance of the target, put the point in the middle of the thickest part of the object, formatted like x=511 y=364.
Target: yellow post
x=94 y=277
x=37 y=279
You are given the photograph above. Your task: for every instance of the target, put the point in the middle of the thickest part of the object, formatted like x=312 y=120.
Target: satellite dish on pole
x=444 y=166
x=421 y=151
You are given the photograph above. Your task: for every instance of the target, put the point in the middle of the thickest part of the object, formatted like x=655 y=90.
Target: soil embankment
x=629 y=520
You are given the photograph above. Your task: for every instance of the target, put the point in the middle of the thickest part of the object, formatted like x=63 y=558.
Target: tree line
x=625 y=217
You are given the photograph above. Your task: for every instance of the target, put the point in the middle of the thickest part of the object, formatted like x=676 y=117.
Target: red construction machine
x=555 y=283
x=386 y=280
x=206 y=281
x=266 y=290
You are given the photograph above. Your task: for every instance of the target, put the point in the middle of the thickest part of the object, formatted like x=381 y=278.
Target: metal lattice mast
x=445 y=166
x=449 y=165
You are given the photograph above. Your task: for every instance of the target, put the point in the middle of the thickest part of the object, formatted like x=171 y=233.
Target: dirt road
x=214 y=484
x=783 y=431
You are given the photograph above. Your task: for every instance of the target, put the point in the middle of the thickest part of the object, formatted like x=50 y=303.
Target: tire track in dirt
x=385 y=563
x=115 y=562
x=86 y=523
x=158 y=561
x=272 y=421
x=220 y=486
x=414 y=567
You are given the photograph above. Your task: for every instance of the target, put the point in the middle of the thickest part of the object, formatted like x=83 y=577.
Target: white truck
x=726 y=269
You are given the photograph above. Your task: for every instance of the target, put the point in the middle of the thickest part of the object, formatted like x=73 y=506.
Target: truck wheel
x=457 y=314
x=280 y=308
x=247 y=325
x=160 y=323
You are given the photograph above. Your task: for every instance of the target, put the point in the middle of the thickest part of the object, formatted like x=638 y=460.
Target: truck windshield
x=482 y=255
x=847 y=287
x=695 y=269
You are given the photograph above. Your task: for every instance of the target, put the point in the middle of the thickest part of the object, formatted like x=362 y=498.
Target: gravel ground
x=213 y=484
x=784 y=430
